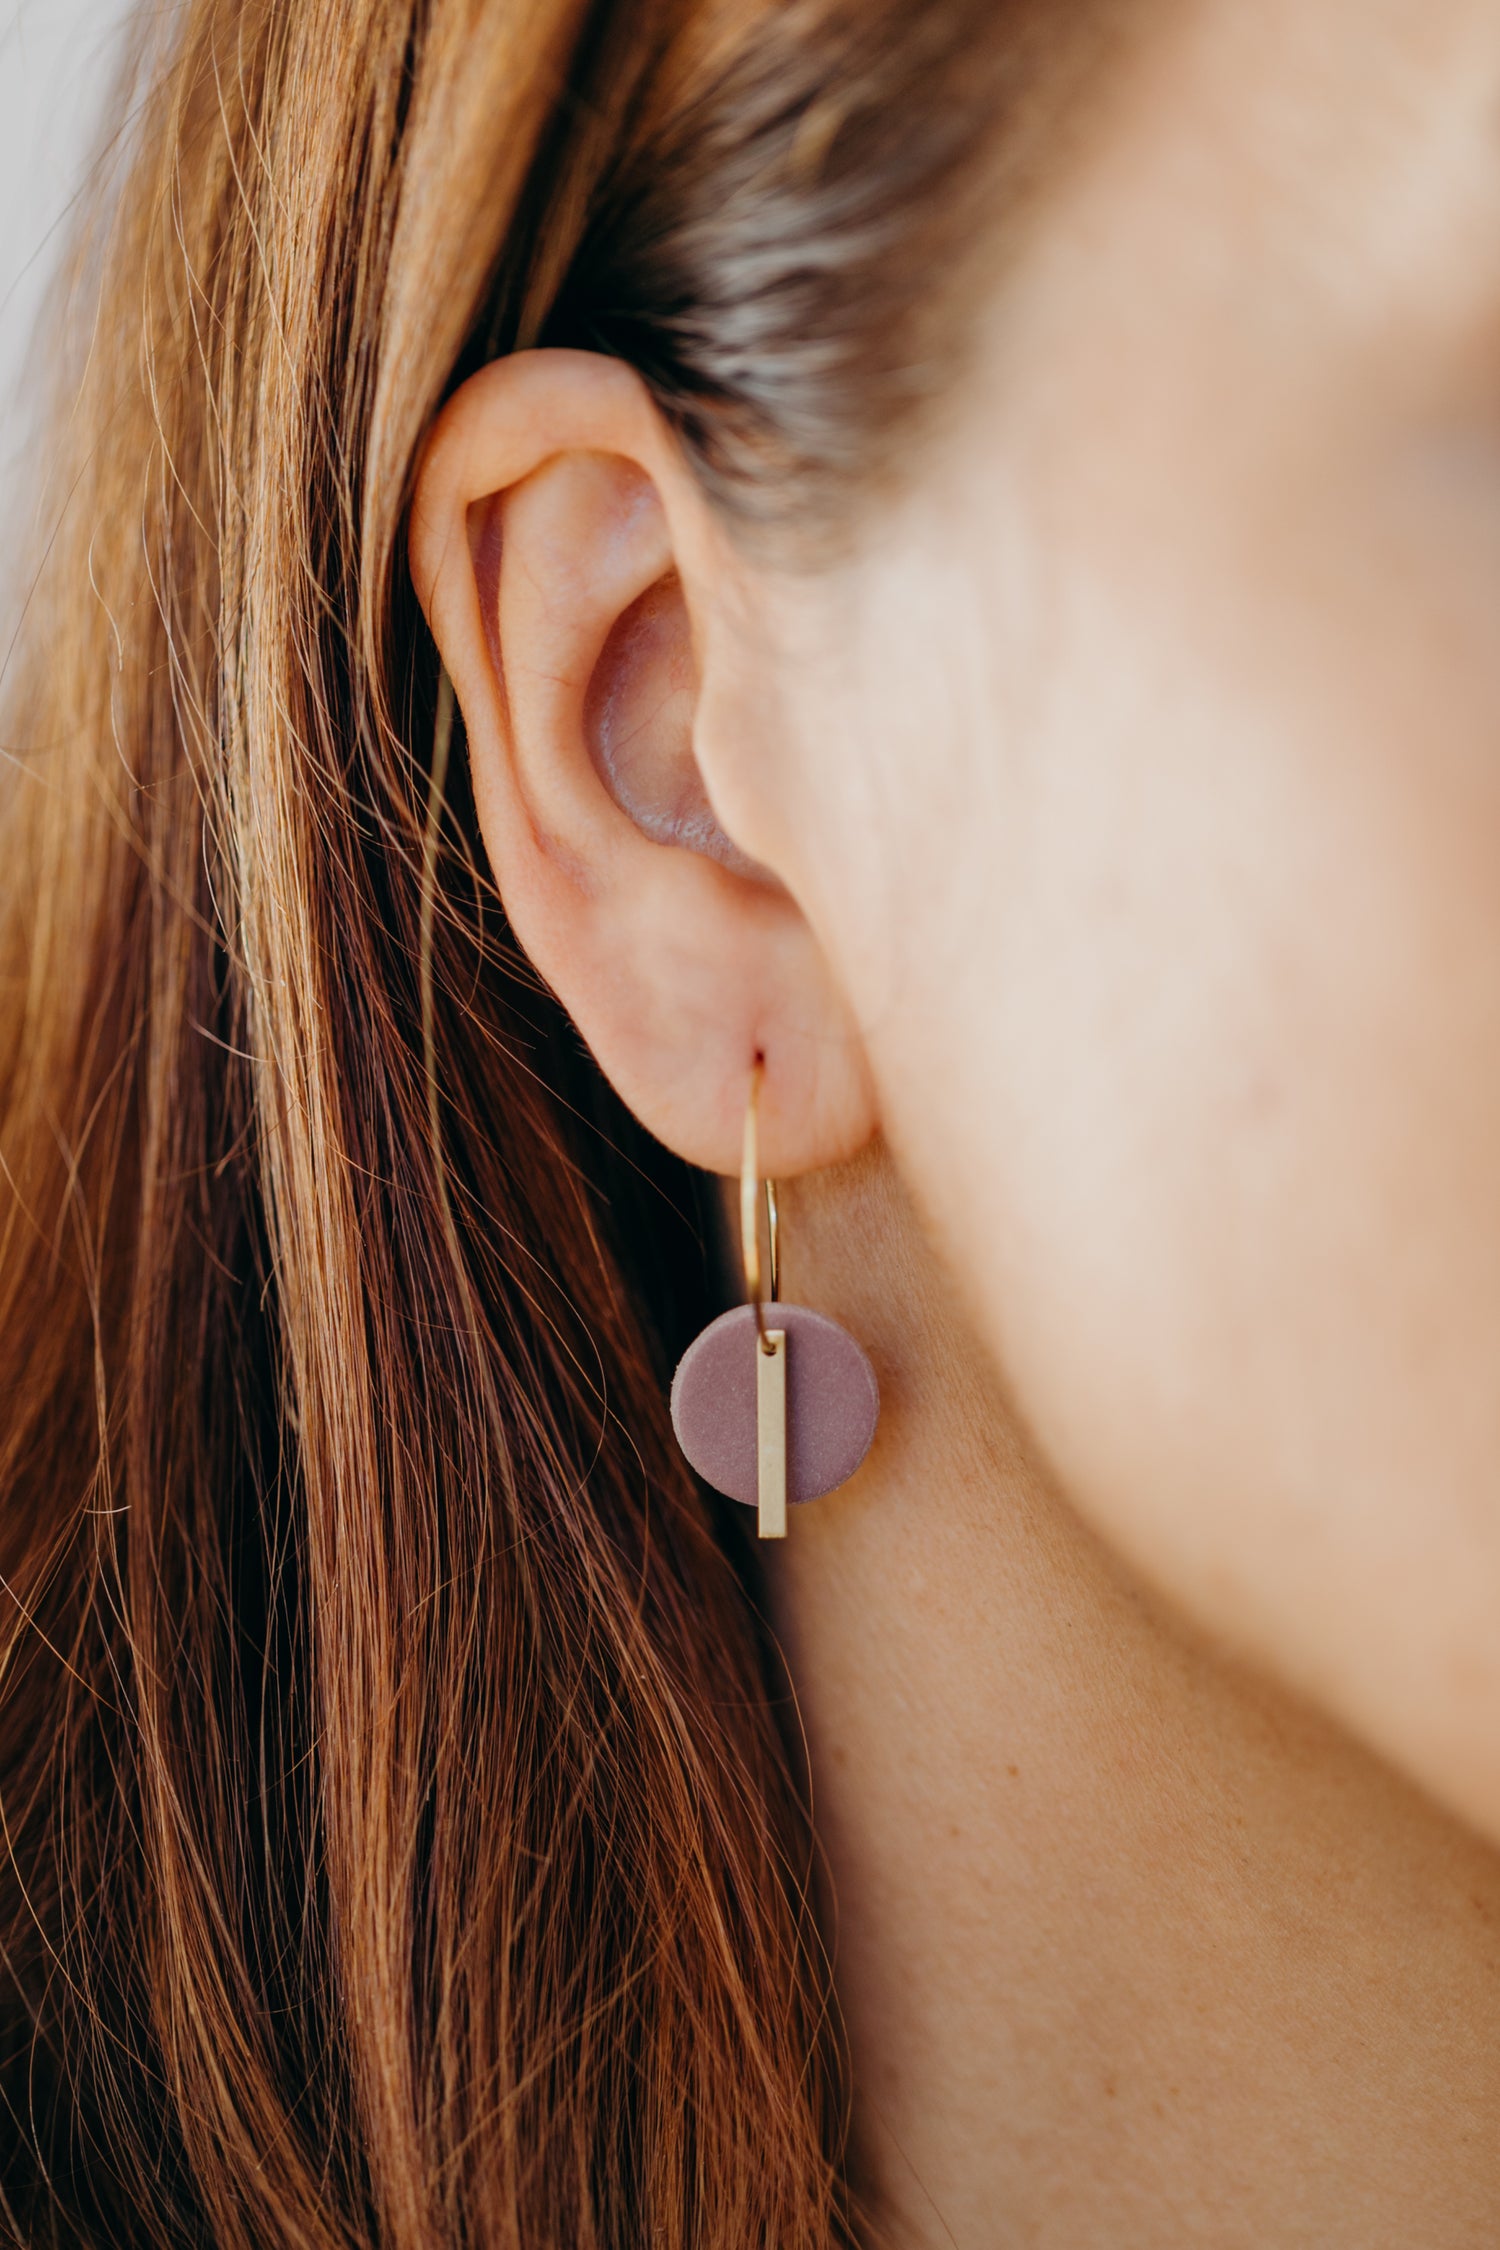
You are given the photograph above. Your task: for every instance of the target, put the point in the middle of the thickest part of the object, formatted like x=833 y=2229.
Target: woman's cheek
x=1220 y=1150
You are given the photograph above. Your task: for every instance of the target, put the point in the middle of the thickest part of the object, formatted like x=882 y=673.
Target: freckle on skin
x=1014 y=1772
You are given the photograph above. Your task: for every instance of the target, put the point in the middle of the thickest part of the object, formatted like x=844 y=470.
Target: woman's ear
x=581 y=594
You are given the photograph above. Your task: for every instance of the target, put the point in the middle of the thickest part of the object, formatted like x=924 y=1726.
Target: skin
x=1134 y=1951
x=1123 y=939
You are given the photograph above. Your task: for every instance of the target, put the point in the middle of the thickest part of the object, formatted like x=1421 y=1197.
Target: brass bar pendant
x=770 y=1430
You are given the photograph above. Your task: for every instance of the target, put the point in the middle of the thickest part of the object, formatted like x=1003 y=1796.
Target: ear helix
x=772 y=1403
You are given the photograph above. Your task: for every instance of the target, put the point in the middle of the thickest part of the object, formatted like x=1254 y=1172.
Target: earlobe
x=576 y=586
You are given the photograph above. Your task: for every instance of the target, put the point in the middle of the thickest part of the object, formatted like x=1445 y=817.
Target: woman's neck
x=1133 y=1951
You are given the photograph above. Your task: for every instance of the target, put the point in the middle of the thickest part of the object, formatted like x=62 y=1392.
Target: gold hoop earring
x=772 y=1409
x=752 y=1188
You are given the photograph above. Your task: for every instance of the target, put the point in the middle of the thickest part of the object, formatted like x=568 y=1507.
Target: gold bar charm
x=770 y=1431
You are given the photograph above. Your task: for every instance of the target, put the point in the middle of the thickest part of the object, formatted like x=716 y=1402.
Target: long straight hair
x=399 y=1837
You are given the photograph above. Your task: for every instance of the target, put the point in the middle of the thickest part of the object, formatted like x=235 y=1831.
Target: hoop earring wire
x=752 y=1190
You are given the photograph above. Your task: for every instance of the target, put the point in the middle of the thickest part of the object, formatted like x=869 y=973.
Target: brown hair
x=400 y=1841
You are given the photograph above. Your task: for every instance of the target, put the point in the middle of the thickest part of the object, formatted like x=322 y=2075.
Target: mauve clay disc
x=832 y=1402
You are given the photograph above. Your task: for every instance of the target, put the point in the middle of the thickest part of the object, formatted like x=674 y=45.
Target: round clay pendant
x=832 y=1402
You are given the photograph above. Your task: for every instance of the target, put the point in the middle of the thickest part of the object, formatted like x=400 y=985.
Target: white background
x=56 y=60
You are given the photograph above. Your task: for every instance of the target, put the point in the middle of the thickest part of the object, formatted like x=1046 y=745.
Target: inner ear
x=638 y=723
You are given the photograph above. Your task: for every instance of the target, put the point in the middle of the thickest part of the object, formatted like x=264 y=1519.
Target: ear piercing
x=772 y=1402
